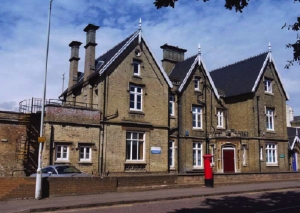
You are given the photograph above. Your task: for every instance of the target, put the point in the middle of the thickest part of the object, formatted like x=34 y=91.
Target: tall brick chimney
x=171 y=56
x=74 y=62
x=89 y=63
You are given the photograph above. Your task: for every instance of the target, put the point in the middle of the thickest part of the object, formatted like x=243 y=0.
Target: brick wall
x=80 y=186
x=63 y=114
x=24 y=187
x=12 y=142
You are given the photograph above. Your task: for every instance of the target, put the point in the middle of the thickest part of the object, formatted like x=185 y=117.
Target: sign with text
x=155 y=150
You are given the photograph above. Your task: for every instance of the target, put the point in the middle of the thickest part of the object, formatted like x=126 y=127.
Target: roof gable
x=110 y=56
x=103 y=62
x=183 y=70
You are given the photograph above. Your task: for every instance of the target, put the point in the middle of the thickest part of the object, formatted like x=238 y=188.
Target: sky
x=225 y=36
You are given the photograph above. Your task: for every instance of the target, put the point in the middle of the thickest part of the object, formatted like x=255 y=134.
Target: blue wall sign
x=155 y=150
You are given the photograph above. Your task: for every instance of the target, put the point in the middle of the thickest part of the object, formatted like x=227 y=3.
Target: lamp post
x=38 y=184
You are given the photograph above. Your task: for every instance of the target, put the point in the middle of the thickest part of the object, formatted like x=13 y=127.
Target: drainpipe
x=258 y=131
x=178 y=131
x=103 y=125
x=169 y=132
x=205 y=105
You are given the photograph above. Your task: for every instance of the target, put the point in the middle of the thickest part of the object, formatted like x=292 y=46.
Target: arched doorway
x=228 y=154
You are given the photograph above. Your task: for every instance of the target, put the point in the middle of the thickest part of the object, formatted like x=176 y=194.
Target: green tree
x=239 y=5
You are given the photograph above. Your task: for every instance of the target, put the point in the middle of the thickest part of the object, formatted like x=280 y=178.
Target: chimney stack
x=171 y=56
x=74 y=62
x=89 y=64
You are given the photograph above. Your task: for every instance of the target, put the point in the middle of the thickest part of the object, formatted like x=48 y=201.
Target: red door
x=228 y=160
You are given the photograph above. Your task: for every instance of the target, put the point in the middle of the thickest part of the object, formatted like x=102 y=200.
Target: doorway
x=295 y=162
x=228 y=153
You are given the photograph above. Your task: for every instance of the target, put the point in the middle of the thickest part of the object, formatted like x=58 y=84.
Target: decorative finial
x=140 y=30
x=140 y=23
x=270 y=49
x=199 y=54
x=297 y=131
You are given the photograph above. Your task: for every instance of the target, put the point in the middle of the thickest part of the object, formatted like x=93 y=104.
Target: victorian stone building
x=236 y=113
x=128 y=113
x=130 y=89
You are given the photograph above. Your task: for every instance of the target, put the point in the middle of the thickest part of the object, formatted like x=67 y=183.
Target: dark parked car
x=62 y=171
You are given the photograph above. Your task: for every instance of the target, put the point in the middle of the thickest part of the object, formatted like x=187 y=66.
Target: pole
x=63 y=78
x=38 y=185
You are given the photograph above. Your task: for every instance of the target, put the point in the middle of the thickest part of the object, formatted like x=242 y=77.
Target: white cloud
x=225 y=37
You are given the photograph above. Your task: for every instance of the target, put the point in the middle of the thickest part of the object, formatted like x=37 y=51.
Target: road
x=280 y=201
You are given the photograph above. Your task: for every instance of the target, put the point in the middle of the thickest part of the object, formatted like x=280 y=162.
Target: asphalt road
x=280 y=201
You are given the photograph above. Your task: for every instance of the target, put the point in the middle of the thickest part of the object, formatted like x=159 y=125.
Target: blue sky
x=225 y=36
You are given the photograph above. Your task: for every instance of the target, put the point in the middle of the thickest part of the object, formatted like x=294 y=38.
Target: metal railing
x=34 y=105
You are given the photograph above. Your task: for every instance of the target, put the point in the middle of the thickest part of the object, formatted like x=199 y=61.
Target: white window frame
x=268 y=85
x=212 y=152
x=132 y=141
x=171 y=155
x=136 y=67
x=59 y=148
x=220 y=119
x=197 y=117
x=197 y=83
x=261 y=153
x=135 y=94
x=87 y=150
x=172 y=105
x=270 y=119
x=197 y=146
x=244 y=155
x=271 y=154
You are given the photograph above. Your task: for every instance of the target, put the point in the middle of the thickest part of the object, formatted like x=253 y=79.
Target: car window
x=48 y=169
x=67 y=169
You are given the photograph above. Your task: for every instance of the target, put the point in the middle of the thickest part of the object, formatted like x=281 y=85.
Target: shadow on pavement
x=281 y=201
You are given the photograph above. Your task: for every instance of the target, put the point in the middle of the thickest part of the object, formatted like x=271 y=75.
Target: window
x=172 y=105
x=197 y=83
x=244 y=155
x=212 y=152
x=261 y=153
x=268 y=85
x=197 y=117
x=136 y=68
x=85 y=153
x=136 y=97
x=271 y=154
x=135 y=146
x=197 y=155
x=171 y=154
x=220 y=119
x=270 y=119
x=62 y=152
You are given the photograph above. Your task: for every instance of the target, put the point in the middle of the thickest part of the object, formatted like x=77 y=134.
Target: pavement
x=114 y=198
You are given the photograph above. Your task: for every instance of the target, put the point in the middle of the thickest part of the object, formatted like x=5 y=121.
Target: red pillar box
x=208 y=173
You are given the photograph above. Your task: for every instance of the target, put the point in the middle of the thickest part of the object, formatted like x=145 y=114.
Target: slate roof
x=180 y=70
x=239 y=78
x=108 y=57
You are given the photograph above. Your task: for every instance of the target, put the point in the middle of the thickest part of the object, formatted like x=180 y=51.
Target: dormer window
x=136 y=68
x=197 y=83
x=268 y=85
